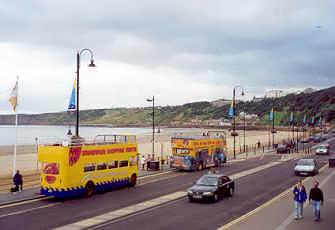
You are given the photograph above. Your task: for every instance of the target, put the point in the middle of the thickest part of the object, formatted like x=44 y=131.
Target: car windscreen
x=208 y=181
x=305 y=162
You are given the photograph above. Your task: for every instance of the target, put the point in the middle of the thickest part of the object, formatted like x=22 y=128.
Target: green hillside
x=315 y=104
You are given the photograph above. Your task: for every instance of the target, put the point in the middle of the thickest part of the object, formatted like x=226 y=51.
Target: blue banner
x=292 y=118
x=231 y=112
x=271 y=115
x=72 y=102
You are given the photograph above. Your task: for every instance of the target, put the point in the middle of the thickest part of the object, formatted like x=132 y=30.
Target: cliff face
x=319 y=103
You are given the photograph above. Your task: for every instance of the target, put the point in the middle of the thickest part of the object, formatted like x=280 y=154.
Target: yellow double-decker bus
x=78 y=167
x=198 y=152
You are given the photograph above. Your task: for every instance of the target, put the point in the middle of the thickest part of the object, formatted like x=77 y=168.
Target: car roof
x=215 y=175
x=306 y=159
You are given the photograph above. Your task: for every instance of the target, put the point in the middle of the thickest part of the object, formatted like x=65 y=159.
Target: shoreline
x=27 y=154
x=225 y=127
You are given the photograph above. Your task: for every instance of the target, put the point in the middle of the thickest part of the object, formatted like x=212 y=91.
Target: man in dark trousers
x=316 y=196
x=18 y=181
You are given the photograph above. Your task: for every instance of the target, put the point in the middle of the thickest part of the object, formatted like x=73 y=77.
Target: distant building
x=257 y=99
x=309 y=91
x=220 y=102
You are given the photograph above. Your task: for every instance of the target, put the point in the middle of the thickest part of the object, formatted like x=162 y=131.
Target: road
x=251 y=191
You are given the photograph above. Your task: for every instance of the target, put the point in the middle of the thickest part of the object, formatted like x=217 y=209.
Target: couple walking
x=300 y=197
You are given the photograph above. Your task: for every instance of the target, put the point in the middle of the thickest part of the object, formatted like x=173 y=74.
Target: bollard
x=263 y=149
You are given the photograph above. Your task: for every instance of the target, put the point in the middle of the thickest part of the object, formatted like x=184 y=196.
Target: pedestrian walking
x=300 y=197
x=316 y=199
x=143 y=162
x=18 y=181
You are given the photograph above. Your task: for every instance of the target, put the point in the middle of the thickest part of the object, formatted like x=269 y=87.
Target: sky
x=178 y=51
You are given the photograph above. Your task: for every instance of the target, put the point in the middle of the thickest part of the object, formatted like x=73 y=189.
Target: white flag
x=13 y=98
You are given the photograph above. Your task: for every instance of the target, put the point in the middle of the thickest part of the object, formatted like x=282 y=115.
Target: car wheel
x=231 y=192
x=190 y=199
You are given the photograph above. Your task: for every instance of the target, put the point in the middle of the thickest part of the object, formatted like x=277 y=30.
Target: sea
x=32 y=134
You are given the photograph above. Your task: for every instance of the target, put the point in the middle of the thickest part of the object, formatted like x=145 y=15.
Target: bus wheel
x=200 y=167
x=89 y=189
x=133 y=180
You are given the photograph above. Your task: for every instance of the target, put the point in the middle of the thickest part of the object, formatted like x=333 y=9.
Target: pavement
x=51 y=213
x=278 y=213
x=252 y=191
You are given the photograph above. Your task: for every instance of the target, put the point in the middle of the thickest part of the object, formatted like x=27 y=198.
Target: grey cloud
x=257 y=43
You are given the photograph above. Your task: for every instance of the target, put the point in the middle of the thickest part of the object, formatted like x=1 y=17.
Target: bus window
x=123 y=164
x=112 y=164
x=89 y=168
x=51 y=168
x=182 y=151
x=101 y=166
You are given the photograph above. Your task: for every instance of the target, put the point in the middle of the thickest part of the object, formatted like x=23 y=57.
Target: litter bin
x=331 y=162
x=153 y=165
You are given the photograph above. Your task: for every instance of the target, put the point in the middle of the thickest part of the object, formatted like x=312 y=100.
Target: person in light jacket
x=300 y=197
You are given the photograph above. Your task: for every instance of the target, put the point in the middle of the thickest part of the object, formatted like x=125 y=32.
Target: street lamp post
x=78 y=67
x=244 y=150
x=234 y=133
x=153 y=124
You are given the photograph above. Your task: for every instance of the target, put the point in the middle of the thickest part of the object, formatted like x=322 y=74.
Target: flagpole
x=16 y=125
x=15 y=145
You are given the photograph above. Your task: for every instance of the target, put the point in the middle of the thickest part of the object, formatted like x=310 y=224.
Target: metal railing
x=97 y=140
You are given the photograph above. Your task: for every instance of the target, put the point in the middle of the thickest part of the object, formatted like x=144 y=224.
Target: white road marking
x=28 y=210
x=24 y=202
x=137 y=208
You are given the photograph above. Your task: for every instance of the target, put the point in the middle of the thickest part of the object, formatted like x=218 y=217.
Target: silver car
x=306 y=167
x=322 y=150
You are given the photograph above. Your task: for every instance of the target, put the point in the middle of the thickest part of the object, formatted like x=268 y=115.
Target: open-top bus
x=80 y=167
x=198 y=152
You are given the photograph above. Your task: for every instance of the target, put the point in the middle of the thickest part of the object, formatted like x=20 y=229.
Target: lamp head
x=92 y=64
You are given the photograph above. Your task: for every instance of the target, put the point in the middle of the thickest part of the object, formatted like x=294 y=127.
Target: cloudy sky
x=179 y=51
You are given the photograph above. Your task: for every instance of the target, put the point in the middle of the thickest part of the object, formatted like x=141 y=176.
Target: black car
x=211 y=187
x=283 y=148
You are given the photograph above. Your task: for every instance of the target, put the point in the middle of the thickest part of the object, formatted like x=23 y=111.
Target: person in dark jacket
x=316 y=196
x=18 y=181
x=300 y=196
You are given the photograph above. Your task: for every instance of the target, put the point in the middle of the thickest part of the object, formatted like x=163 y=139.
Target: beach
x=27 y=154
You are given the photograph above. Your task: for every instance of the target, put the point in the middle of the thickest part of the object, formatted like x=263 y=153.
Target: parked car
x=283 y=148
x=211 y=187
x=323 y=150
x=306 y=166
